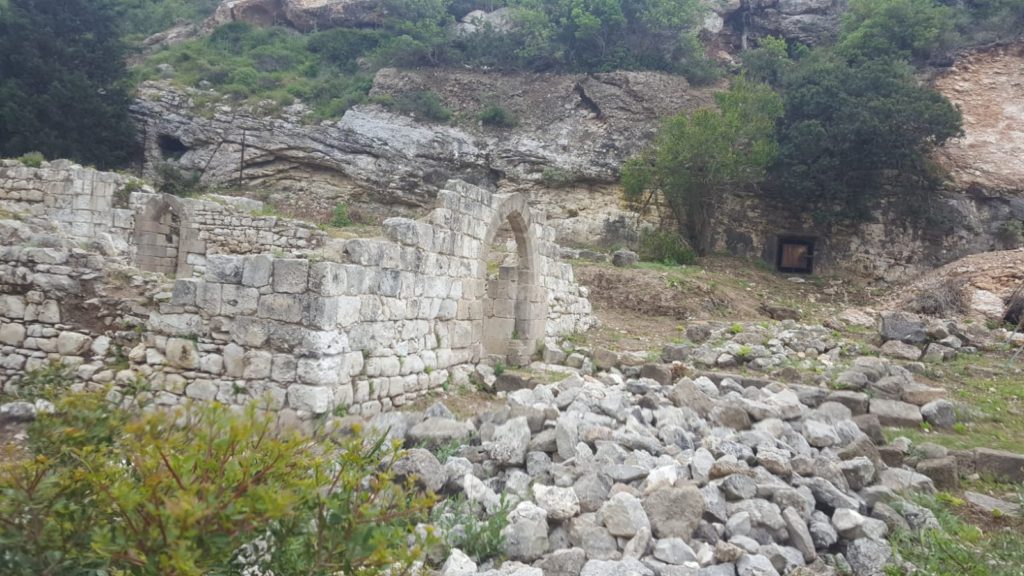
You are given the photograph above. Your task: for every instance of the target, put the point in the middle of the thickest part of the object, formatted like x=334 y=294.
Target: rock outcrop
x=574 y=131
x=303 y=15
x=986 y=85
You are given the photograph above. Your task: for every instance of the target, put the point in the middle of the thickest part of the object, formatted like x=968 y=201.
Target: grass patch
x=961 y=548
x=991 y=398
x=244 y=63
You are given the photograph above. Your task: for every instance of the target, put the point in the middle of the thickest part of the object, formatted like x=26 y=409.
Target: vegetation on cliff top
x=856 y=127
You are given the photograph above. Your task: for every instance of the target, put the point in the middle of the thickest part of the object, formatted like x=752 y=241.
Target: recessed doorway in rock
x=171 y=148
x=514 y=306
x=795 y=255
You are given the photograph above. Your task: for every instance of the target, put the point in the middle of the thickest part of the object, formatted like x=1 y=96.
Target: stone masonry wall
x=386 y=322
x=82 y=201
x=268 y=310
x=104 y=206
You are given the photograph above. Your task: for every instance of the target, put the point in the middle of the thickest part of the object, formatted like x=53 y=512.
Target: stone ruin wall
x=390 y=320
x=269 y=311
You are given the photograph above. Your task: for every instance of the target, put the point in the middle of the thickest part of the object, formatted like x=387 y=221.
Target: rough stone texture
x=1000 y=464
x=896 y=413
x=984 y=85
x=584 y=126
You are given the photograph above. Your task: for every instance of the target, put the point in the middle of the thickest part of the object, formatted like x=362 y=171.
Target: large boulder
x=904 y=327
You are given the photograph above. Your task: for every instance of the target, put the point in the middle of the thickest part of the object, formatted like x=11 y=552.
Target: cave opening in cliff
x=795 y=255
x=171 y=148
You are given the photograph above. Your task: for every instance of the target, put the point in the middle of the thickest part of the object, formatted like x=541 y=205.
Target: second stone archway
x=514 y=301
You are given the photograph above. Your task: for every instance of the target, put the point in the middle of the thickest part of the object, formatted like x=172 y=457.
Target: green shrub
x=494 y=115
x=553 y=177
x=422 y=103
x=43 y=382
x=177 y=182
x=106 y=491
x=32 y=159
x=360 y=521
x=665 y=247
x=340 y=217
x=460 y=526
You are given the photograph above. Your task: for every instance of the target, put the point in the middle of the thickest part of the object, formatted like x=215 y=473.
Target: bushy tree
x=698 y=158
x=63 y=82
x=913 y=30
x=852 y=133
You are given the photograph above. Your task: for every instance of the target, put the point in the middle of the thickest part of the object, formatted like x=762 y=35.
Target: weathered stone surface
x=901 y=350
x=423 y=466
x=510 y=443
x=896 y=413
x=939 y=413
x=674 y=512
x=868 y=557
x=1000 y=464
x=904 y=327
x=526 y=536
x=623 y=515
x=559 y=503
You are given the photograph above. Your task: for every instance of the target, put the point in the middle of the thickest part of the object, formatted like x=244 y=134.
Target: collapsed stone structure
x=266 y=308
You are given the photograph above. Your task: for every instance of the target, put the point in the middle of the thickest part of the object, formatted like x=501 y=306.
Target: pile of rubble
x=634 y=471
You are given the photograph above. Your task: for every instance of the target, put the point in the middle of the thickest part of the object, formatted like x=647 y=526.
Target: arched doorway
x=157 y=235
x=514 y=304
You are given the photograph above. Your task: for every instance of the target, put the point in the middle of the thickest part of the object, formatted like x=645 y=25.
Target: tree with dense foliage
x=696 y=159
x=852 y=133
x=913 y=30
x=63 y=83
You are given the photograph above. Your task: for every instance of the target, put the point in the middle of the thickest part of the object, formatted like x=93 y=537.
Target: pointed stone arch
x=514 y=301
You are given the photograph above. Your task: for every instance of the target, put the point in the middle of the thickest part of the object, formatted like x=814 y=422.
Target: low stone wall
x=383 y=324
x=50 y=312
x=174 y=235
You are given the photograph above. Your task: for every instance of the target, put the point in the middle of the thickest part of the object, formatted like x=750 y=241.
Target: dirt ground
x=647 y=306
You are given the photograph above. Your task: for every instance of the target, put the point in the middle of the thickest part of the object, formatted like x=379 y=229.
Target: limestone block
x=175 y=324
x=211 y=363
x=12 y=334
x=238 y=300
x=72 y=344
x=283 y=368
x=283 y=307
x=327 y=371
x=315 y=399
x=181 y=353
x=202 y=390
x=388 y=283
x=12 y=306
x=257 y=364
x=327 y=278
x=223 y=268
x=357 y=279
x=208 y=297
x=256 y=271
x=249 y=331
x=234 y=360
x=290 y=275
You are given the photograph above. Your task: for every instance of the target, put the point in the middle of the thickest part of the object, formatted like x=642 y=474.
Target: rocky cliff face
x=573 y=133
x=988 y=86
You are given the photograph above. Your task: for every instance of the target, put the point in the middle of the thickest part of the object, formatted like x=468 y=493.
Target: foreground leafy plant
x=461 y=527
x=106 y=491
